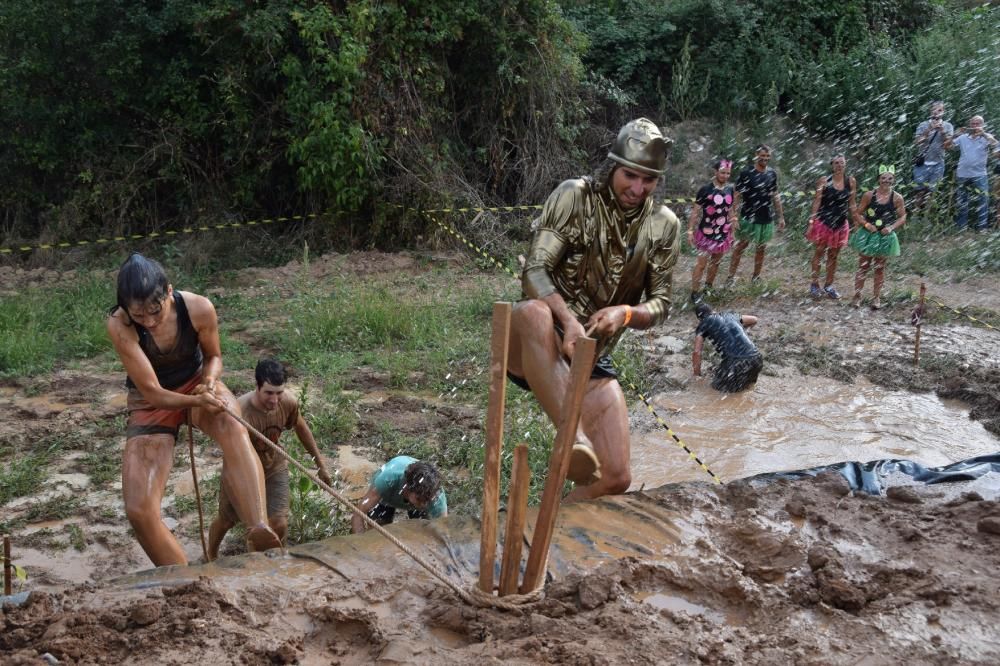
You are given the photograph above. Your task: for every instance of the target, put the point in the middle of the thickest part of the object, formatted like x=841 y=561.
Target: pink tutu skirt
x=703 y=243
x=822 y=235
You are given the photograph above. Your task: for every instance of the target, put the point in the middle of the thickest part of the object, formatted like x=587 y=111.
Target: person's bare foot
x=584 y=467
x=262 y=537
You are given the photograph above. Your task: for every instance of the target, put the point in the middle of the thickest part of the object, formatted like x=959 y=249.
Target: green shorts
x=755 y=233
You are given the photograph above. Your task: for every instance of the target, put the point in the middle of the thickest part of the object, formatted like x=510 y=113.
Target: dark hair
x=423 y=480
x=140 y=280
x=270 y=371
x=760 y=147
x=702 y=310
x=717 y=164
x=836 y=155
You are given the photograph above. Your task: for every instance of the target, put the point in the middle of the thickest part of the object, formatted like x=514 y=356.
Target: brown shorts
x=276 y=488
x=144 y=419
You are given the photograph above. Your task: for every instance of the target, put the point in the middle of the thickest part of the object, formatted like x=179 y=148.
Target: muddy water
x=796 y=422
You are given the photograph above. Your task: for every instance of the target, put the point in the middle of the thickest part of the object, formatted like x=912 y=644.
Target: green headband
x=886 y=168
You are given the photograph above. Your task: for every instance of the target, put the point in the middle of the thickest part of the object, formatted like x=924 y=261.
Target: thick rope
x=473 y=597
x=197 y=492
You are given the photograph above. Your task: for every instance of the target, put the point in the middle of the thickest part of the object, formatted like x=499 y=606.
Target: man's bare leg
x=216 y=533
x=605 y=421
x=145 y=468
x=734 y=261
x=242 y=473
x=534 y=354
x=758 y=260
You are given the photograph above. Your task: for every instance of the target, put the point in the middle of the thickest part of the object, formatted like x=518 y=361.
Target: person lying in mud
x=402 y=483
x=271 y=409
x=602 y=257
x=741 y=362
x=168 y=341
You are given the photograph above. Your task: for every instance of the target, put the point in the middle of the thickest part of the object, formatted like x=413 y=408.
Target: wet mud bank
x=785 y=571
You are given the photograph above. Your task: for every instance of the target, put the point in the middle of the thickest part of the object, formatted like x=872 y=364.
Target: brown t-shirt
x=284 y=417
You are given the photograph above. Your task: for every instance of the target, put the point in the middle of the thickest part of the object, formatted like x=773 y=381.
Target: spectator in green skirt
x=879 y=214
x=757 y=189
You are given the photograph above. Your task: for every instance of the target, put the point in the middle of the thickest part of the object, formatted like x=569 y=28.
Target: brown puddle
x=798 y=422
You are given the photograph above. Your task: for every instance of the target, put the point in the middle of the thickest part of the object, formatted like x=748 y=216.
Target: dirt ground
x=764 y=573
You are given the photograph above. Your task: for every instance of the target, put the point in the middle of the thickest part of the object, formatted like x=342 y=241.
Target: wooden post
x=562 y=449
x=6 y=565
x=494 y=443
x=517 y=509
x=920 y=319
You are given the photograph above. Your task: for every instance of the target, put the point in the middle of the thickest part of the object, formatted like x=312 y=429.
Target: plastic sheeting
x=874 y=477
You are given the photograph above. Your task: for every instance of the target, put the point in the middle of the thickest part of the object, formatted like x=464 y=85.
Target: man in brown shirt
x=602 y=256
x=272 y=410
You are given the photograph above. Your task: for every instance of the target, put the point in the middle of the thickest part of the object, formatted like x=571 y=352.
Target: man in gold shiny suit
x=602 y=256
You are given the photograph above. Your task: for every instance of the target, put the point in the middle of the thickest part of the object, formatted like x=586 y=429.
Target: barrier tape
x=962 y=314
x=691 y=455
x=155 y=234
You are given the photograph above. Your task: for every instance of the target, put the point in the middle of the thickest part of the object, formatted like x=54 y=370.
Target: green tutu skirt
x=875 y=244
x=755 y=233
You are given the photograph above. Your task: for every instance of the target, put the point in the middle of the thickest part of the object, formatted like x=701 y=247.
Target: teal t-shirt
x=388 y=482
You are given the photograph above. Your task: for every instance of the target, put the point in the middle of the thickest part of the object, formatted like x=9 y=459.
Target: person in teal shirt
x=402 y=483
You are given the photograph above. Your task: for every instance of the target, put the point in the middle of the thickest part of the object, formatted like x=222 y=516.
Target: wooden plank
x=6 y=565
x=583 y=364
x=494 y=443
x=517 y=511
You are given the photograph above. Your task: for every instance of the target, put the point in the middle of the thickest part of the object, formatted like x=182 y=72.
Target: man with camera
x=928 y=165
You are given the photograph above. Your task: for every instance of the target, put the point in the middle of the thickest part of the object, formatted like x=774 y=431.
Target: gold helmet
x=641 y=146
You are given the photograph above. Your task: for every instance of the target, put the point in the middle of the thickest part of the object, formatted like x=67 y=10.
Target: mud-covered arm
x=366 y=504
x=305 y=436
x=900 y=211
x=699 y=343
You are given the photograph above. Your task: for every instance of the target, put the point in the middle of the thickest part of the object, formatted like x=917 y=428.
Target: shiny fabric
x=596 y=255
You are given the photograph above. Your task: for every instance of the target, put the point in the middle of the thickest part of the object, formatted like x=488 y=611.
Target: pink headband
x=725 y=164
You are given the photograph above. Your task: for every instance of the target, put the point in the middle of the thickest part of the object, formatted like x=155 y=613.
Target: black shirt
x=757 y=189
x=727 y=334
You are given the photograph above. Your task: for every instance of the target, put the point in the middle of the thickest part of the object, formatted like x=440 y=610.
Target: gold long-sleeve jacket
x=594 y=255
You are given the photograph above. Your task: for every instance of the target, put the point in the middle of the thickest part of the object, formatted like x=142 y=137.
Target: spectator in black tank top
x=830 y=223
x=757 y=191
x=168 y=342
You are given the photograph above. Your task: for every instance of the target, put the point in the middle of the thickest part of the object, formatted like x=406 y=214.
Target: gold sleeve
x=558 y=226
x=659 y=277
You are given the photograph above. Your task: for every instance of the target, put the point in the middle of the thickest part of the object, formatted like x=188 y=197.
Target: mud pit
x=786 y=572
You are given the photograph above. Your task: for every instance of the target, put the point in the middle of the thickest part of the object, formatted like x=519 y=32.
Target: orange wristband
x=628 y=316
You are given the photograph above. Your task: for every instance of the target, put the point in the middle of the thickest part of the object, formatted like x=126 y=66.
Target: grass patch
x=76 y=538
x=25 y=476
x=186 y=504
x=41 y=327
x=103 y=465
x=55 y=508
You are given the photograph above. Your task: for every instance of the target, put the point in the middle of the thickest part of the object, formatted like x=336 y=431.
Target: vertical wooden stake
x=6 y=565
x=920 y=319
x=494 y=443
x=517 y=509
x=579 y=376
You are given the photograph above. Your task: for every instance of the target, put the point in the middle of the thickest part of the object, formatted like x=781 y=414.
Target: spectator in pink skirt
x=829 y=223
x=710 y=230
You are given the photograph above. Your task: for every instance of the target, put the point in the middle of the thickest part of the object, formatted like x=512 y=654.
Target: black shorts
x=383 y=514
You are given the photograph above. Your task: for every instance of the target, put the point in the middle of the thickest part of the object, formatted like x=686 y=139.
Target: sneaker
x=730 y=282
x=831 y=292
x=697 y=297
x=584 y=467
x=856 y=301
x=754 y=279
x=815 y=291
x=876 y=304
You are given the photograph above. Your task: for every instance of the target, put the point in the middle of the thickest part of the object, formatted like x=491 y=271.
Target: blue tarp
x=870 y=477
